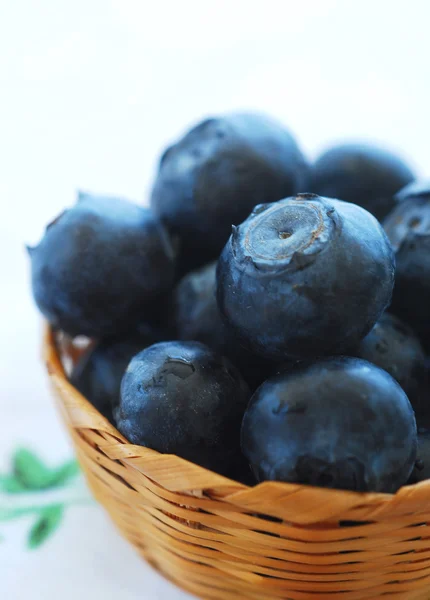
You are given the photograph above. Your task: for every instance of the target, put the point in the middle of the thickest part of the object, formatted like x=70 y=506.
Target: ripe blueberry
x=99 y=372
x=408 y=228
x=183 y=398
x=339 y=423
x=216 y=173
x=100 y=266
x=198 y=318
x=363 y=174
x=421 y=471
x=393 y=346
x=306 y=276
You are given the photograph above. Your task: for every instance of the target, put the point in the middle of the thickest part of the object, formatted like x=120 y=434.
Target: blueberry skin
x=197 y=318
x=304 y=277
x=196 y=312
x=216 y=173
x=393 y=346
x=183 y=398
x=421 y=471
x=98 y=373
x=339 y=423
x=417 y=189
x=408 y=229
x=100 y=266
x=362 y=174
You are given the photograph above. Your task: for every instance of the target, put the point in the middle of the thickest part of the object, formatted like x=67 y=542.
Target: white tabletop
x=90 y=92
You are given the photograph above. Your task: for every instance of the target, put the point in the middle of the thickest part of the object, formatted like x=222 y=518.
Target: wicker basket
x=219 y=539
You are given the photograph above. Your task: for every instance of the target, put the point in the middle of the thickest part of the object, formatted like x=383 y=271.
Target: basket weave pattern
x=219 y=539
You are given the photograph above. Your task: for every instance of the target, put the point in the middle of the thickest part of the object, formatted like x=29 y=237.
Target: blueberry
x=198 y=318
x=306 y=276
x=183 y=398
x=394 y=347
x=421 y=471
x=408 y=228
x=363 y=174
x=417 y=189
x=216 y=173
x=196 y=312
x=99 y=372
x=100 y=266
x=338 y=423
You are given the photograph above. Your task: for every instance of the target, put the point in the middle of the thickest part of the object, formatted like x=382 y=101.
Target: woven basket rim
x=88 y=417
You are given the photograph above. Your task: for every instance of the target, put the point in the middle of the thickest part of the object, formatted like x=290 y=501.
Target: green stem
x=7 y=514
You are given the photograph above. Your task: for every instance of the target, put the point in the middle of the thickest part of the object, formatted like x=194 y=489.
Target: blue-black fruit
x=101 y=266
x=99 y=372
x=183 y=398
x=216 y=173
x=421 y=471
x=197 y=318
x=338 y=423
x=408 y=229
x=363 y=174
x=306 y=276
x=393 y=346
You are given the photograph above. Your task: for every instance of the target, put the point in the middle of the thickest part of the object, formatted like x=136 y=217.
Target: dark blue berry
x=198 y=318
x=216 y=173
x=421 y=471
x=183 y=398
x=365 y=175
x=196 y=312
x=101 y=266
x=417 y=189
x=394 y=347
x=99 y=372
x=338 y=423
x=306 y=276
x=408 y=228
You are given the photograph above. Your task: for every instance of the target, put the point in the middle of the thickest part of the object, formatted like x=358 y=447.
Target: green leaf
x=8 y=514
x=30 y=471
x=11 y=485
x=61 y=475
x=32 y=474
x=48 y=521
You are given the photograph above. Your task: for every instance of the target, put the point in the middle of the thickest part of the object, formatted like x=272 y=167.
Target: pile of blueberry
x=240 y=321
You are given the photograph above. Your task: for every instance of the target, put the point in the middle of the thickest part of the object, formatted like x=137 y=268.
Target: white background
x=90 y=92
